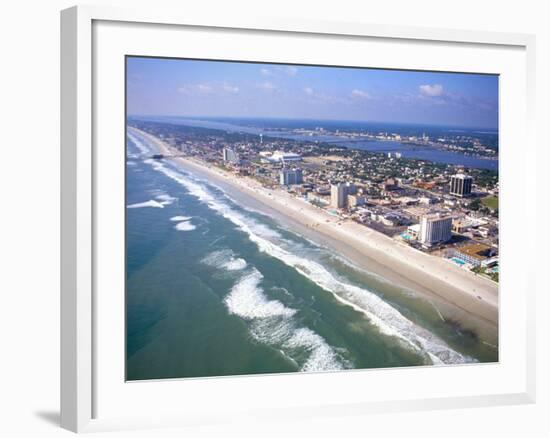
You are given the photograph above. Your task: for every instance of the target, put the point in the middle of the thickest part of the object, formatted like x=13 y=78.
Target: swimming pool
x=458 y=261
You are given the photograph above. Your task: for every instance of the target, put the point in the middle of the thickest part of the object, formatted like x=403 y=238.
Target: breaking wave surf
x=272 y=323
x=386 y=318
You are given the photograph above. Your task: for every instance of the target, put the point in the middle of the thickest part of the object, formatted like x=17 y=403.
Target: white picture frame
x=80 y=170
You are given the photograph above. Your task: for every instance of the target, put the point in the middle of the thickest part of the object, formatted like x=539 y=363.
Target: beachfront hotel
x=288 y=177
x=461 y=185
x=230 y=156
x=338 y=195
x=435 y=229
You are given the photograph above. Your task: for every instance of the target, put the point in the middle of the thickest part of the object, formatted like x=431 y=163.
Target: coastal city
x=305 y=218
x=449 y=211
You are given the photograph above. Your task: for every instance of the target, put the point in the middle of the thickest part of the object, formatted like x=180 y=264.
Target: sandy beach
x=369 y=249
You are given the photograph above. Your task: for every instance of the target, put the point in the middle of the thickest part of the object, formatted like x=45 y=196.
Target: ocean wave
x=237 y=264
x=185 y=226
x=151 y=203
x=386 y=318
x=180 y=218
x=272 y=323
x=225 y=259
x=166 y=199
x=247 y=300
x=139 y=144
x=378 y=277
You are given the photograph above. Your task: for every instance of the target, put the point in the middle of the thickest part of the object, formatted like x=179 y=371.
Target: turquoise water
x=216 y=288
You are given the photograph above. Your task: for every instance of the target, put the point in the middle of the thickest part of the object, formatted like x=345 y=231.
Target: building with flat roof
x=356 y=200
x=230 y=156
x=285 y=157
x=338 y=195
x=461 y=185
x=288 y=177
x=435 y=229
x=413 y=231
x=475 y=254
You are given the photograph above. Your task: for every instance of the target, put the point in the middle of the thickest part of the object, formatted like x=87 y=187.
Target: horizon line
x=496 y=129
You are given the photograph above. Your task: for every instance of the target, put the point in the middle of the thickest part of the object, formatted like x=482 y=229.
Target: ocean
x=217 y=287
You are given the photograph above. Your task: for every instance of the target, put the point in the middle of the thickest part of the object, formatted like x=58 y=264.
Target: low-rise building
x=285 y=157
x=475 y=254
x=356 y=200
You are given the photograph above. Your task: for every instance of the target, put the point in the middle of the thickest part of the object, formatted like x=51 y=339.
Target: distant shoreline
x=370 y=250
x=407 y=148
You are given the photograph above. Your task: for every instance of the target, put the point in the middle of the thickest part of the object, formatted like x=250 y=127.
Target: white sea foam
x=386 y=318
x=141 y=145
x=248 y=301
x=225 y=259
x=217 y=258
x=322 y=356
x=185 y=226
x=150 y=203
x=237 y=264
x=165 y=199
x=180 y=218
x=272 y=324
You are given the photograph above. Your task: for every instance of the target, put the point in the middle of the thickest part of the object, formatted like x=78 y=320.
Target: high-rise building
x=461 y=185
x=289 y=177
x=435 y=229
x=230 y=156
x=338 y=195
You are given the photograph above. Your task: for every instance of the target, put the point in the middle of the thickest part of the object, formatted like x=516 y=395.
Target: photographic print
x=306 y=218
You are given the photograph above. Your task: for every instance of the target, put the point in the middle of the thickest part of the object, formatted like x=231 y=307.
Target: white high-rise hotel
x=230 y=156
x=338 y=195
x=435 y=229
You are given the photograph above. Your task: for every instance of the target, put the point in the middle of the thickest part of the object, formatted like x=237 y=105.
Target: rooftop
x=462 y=176
x=478 y=251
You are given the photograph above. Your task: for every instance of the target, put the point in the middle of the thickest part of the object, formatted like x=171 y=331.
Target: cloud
x=434 y=90
x=186 y=89
x=291 y=70
x=195 y=88
x=204 y=88
x=288 y=70
x=360 y=94
x=230 y=88
x=268 y=86
x=308 y=90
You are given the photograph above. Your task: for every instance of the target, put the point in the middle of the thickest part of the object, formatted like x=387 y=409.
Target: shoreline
x=368 y=249
x=342 y=143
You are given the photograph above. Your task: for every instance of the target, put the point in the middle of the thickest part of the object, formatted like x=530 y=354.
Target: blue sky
x=158 y=86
